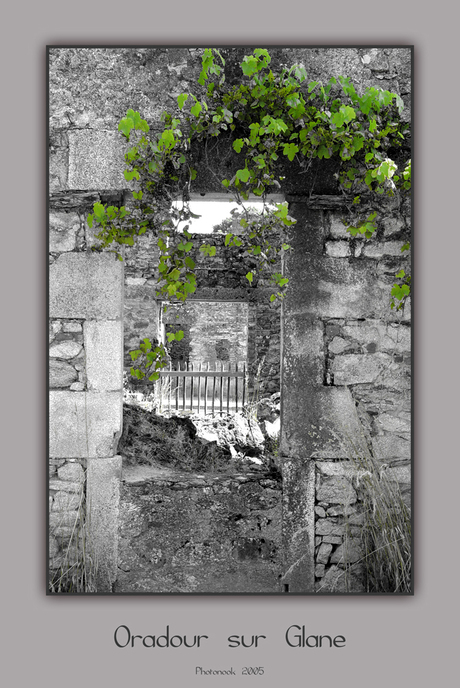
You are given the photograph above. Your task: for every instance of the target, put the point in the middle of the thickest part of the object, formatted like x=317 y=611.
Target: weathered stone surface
x=319 y=511
x=338 y=580
x=96 y=160
x=338 y=345
x=72 y=471
x=84 y=424
x=338 y=229
x=325 y=526
x=390 y=423
x=299 y=524
x=392 y=225
x=65 y=485
x=72 y=327
x=53 y=547
x=391 y=447
x=323 y=553
x=63 y=522
x=63 y=230
x=215 y=534
x=333 y=539
x=319 y=570
x=66 y=349
x=388 y=248
x=338 y=249
x=104 y=355
x=103 y=497
x=66 y=501
x=399 y=474
x=347 y=553
x=61 y=374
x=336 y=490
x=394 y=338
x=86 y=286
x=352 y=369
x=77 y=386
x=329 y=418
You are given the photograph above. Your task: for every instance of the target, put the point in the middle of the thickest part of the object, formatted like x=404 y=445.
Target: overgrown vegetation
x=386 y=532
x=269 y=116
x=169 y=442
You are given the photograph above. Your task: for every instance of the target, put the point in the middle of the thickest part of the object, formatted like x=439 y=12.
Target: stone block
x=336 y=490
x=304 y=341
x=326 y=527
x=399 y=474
x=338 y=345
x=323 y=553
x=392 y=225
x=65 y=485
x=338 y=249
x=341 y=581
x=66 y=501
x=71 y=471
x=72 y=327
x=388 y=248
x=96 y=160
x=325 y=287
x=347 y=553
x=298 y=524
x=86 y=286
x=352 y=369
x=379 y=335
x=391 y=447
x=329 y=422
x=391 y=423
x=84 y=424
x=63 y=230
x=338 y=229
x=66 y=349
x=104 y=355
x=103 y=499
x=63 y=522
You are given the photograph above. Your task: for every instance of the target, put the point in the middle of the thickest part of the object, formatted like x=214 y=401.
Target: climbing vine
x=270 y=117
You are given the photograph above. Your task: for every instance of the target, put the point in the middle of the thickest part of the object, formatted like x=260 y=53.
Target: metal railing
x=197 y=388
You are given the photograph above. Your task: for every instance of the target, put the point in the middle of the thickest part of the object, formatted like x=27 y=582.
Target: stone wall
x=199 y=533
x=85 y=402
x=345 y=355
x=250 y=316
x=346 y=364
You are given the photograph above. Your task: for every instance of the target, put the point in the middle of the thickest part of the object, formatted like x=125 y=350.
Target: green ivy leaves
x=133 y=120
x=272 y=115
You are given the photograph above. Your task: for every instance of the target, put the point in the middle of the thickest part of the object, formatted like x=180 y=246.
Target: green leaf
x=249 y=276
x=243 y=175
x=290 y=149
x=249 y=65
x=125 y=126
x=196 y=109
x=238 y=145
x=99 y=211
